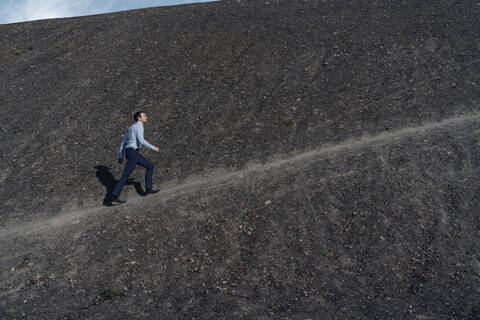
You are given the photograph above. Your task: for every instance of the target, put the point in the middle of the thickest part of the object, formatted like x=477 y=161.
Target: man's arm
x=142 y=140
x=122 y=146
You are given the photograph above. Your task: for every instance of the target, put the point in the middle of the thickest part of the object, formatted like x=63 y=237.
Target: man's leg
x=129 y=167
x=144 y=162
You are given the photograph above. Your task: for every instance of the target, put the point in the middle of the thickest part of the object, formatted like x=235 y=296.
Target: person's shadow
x=106 y=178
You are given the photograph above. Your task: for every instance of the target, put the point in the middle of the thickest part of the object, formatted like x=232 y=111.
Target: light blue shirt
x=134 y=139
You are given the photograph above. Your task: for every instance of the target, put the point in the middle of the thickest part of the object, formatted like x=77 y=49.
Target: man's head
x=140 y=116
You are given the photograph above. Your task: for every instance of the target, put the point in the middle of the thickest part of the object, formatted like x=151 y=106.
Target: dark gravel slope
x=379 y=229
x=319 y=160
x=224 y=84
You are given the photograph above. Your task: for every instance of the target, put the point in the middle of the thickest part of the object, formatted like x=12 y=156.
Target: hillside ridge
x=318 y=159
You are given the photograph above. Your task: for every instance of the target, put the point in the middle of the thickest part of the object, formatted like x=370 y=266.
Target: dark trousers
x=134 y=158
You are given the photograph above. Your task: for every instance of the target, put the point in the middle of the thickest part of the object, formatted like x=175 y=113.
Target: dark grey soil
x=319 y=160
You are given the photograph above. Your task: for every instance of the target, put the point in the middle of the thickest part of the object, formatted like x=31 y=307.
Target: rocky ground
x=318 y=161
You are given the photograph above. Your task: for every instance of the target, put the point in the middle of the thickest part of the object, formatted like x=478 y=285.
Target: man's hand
x=156 y=149
x=120 y=160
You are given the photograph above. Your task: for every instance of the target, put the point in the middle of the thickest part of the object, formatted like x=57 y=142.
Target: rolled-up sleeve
x=140 y=138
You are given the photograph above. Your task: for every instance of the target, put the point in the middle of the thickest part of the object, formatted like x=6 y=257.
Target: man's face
x=143 y=117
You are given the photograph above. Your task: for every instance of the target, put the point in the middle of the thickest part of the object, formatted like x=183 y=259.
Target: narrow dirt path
x=221 y=179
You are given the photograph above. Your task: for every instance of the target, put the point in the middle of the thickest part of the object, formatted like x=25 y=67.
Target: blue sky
x=27 y=10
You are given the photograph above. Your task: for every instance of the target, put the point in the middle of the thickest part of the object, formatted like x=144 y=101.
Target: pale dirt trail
x=218 y=179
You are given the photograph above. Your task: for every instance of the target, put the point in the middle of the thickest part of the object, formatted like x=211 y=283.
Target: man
x=131 y=145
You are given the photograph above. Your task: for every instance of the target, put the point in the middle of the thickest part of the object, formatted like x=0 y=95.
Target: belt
x=132 y=149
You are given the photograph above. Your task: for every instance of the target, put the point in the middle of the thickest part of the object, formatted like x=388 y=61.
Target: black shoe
x=151 y=191
x=116 y=200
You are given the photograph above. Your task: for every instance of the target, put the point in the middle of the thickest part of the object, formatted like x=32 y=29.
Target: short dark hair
x=137 y=115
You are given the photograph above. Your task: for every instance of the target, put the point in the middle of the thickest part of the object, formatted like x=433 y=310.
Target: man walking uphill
x=131 y=145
